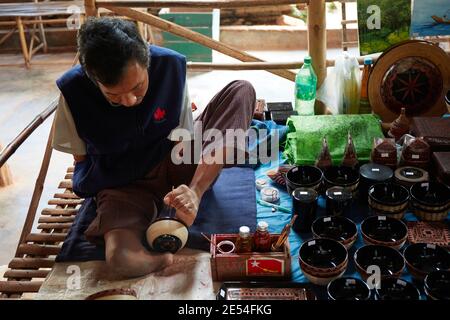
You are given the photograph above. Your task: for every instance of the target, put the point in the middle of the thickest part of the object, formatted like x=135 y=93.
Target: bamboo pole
x=204 y=4
x=212 y=4
x=68 y=176
x=46 y=237
x=7 y=35
x=59 y=212
x=56 y=226
x=17 y=142
x=39 y=250
x=90 y=8
x=245 y=66
x=66 y=196
x=66 y=202
x=23 y=41
x=65 y=184
x=196 y=37
x=317 y=38
x=317 y=45
x=196 y=66
x=5 y=175
x=28 y=273
x=25 y=263
x=20 y=286
x=38 y=188
x=53 y=219
x=33 y=21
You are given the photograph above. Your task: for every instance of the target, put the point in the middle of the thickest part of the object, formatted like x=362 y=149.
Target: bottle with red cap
x=261 y=238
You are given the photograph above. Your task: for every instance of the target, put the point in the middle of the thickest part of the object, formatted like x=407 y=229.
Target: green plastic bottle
x=305 y=89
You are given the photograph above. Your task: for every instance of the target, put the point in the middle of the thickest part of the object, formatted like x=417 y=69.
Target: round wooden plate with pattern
x=414 y=75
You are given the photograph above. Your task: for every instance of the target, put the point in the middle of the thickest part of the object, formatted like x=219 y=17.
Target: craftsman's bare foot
x=161 y=261
x=125 y=255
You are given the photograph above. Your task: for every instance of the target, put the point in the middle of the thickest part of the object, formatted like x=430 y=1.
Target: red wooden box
x=249 y=266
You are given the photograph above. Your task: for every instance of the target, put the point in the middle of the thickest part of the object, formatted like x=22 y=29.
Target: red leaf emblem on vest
x=159 y=114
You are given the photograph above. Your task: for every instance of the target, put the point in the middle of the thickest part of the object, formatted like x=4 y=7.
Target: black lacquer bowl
x=437 y=285
x=369 y=258
x=348 y=288
x=423 y=258
x=385 y=231
x=396 y=289
x=389 y=199
x=323 y=260
x=337 y=228
x=430 y=201
x=303 y=177
x=341 y=176
x=167 y=234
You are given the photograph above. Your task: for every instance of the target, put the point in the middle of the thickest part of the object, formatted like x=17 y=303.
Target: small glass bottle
x=244 y=240
x=261 y=238
x=364 y=104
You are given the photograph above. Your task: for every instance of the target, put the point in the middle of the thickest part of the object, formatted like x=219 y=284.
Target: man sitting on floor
x=118 y=114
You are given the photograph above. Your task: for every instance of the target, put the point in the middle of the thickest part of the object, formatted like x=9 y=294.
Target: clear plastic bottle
x=364 y=105
x=305 y=89
x=261 y=238
x=244 y=240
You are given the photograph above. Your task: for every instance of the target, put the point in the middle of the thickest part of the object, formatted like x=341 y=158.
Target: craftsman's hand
x=186 y=203
x=78 y=158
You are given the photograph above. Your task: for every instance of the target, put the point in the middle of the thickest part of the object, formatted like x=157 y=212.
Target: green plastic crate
x=206 y=23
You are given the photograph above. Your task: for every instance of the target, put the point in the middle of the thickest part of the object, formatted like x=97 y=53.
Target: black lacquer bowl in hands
x=437 y=285
x=396 y=289
x=303 y=177
x=369 y=258
x=385 y=231
x=423 y=258
x=167 y=234
x=337 y=228
x=323 y=260
x=430 y=201
x=389 y=199
x=348 y=288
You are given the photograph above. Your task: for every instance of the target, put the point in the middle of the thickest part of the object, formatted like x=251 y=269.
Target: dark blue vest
x=123 y=144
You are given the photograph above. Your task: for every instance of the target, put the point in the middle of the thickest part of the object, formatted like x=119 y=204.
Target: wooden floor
x=24 y=94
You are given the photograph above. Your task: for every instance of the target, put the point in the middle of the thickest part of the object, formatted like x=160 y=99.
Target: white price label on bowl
x=401 y=282
x=337 y=193
x=385 y=155
x=327 y=219
x=382 y=218
x=350 y=281
x=311 y=243
x=375 y=169
x=409 y=173
x=415 y=156
x=303 y=192
x=431 y=246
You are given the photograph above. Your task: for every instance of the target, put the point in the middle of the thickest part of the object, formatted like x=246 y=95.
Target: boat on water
x=444 y=20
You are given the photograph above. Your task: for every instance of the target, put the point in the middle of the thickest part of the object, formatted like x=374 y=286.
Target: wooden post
x=196 y=37
x=317 y=43
x=23 y=41
x=5 y=174
x=90 y=8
